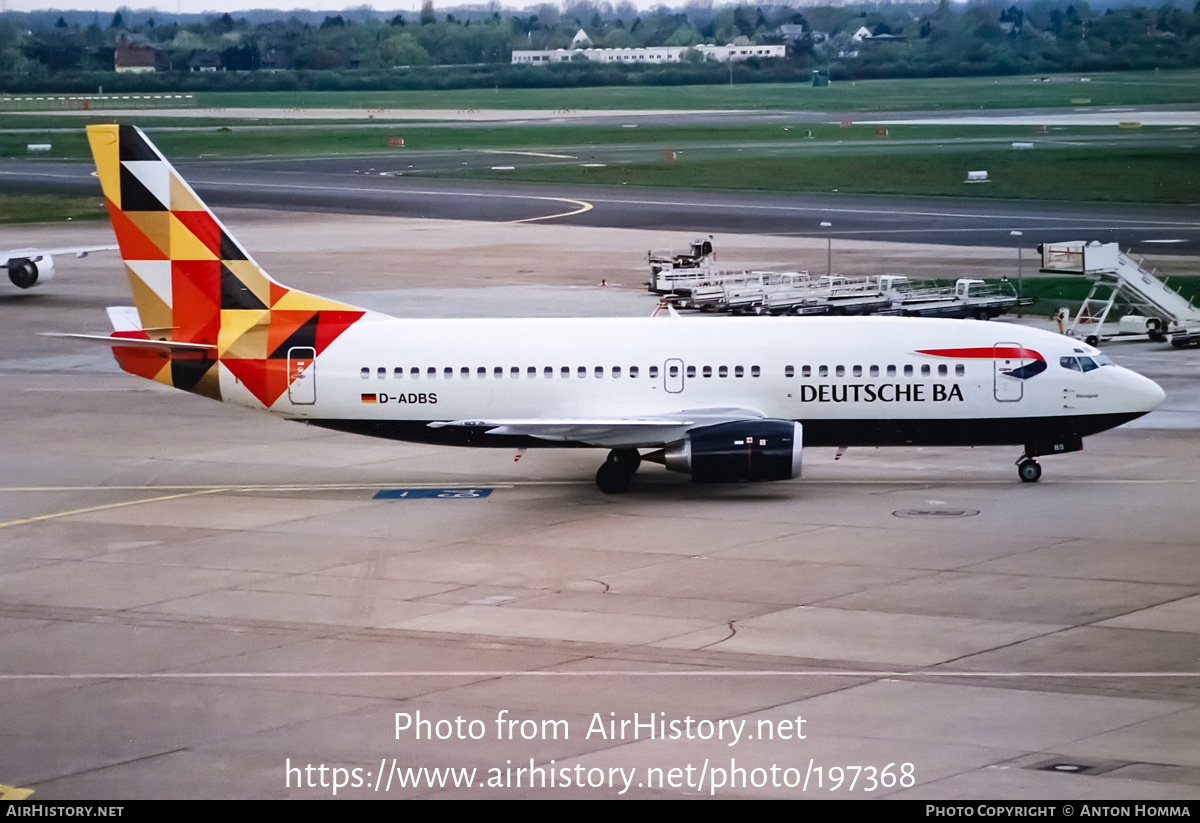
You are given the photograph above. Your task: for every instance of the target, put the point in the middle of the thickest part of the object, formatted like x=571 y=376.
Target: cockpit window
x=1083 y=363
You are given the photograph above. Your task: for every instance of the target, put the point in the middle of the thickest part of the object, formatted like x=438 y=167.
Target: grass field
x=49 y=208
x=1150 y=165
x=1134 y=173
x=940 y=94
x=1105 y=89
x=292 y=138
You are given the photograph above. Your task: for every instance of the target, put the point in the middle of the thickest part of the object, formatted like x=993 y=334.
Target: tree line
x=365 y=49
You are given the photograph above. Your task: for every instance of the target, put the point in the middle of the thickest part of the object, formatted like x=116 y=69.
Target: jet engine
x=746 y=451
x=25 y=273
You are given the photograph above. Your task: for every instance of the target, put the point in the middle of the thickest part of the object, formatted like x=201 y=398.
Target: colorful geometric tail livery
x=193 y=284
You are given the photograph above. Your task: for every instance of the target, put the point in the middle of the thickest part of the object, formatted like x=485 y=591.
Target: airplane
x=722 y=400
x=35 y=267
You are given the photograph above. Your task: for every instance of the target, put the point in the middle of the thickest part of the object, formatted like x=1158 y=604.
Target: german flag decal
x=370 y=398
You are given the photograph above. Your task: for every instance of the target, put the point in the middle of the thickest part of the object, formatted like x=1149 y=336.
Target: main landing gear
x=616 y=474
x=1028 y=469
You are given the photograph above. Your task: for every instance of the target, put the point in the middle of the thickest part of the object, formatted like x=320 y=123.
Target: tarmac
x=197 y=601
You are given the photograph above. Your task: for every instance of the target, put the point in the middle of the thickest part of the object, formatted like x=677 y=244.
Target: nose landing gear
x=615 y=475
x=1029 y=470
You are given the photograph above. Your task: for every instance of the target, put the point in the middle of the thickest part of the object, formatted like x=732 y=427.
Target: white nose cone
x=1144 y=394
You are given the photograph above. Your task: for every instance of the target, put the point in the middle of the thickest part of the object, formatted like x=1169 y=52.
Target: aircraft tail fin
x=193 y=283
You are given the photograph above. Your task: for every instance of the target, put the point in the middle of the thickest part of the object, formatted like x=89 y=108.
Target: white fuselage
x=832 y=374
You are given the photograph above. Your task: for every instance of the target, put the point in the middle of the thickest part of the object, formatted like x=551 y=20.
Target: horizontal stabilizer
x=124 y=318
x=135 y=342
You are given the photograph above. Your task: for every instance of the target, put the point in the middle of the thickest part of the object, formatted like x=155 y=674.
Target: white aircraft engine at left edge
x=34 y=267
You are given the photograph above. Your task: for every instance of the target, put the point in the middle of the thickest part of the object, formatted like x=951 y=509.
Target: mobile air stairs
x=1117 y=276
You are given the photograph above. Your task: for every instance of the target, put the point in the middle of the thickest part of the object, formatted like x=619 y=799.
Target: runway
x=385 y=186
x=198 y=601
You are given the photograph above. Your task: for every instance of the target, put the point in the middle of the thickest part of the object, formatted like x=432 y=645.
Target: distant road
x=352 y=185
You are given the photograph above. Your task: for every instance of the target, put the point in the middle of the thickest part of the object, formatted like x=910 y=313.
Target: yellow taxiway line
x=108 y=506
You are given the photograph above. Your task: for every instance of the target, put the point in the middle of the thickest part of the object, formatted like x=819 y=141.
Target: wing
x=36 y=254
x=646 y=432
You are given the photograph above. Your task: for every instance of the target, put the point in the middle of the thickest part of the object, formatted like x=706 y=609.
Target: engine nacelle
x=746 y=451
x=26 y=273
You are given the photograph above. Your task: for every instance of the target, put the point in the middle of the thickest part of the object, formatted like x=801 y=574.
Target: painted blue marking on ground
x=442 y=494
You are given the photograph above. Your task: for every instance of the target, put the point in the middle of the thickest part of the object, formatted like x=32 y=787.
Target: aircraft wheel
x=1030 y=471
x=627 y=459
x=1092 y=340
x=613 y=478
x=983 y=315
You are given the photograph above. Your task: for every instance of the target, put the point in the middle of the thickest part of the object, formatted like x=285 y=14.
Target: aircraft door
x=302 y=375
x=1008 y=389
x=673 y=375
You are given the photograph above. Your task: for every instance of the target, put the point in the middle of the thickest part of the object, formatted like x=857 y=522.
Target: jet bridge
x=1117 y=276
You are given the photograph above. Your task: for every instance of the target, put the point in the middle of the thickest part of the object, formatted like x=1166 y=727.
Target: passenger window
x=633 y=371
x=498 y=372
x=414 y=372
x=565 y=371
x=398 y=372
x=674 y=371
x=737 y=371
x=548 y=372
x=789 y=371
x=616 y=371
x=365 y=373
x=515 y=371
x=431 y=372
x=806 y=371
x=381 y=373
x=960 y=370
x=943 y=370
x=691 y=371
x=448 y=372
x=840 y=371
x=755 y=371
x=874 y=371
x=925 y=370
x=707 y=371
x=465 y=372
x=822 y=371
x=908 y=371
x=654 y=371
x=599 y=371
x=891 y=371
x=481 y=372
x=857 y=371
x=582 y=371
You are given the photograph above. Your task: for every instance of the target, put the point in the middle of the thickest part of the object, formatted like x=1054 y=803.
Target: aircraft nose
x=1146 y=394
